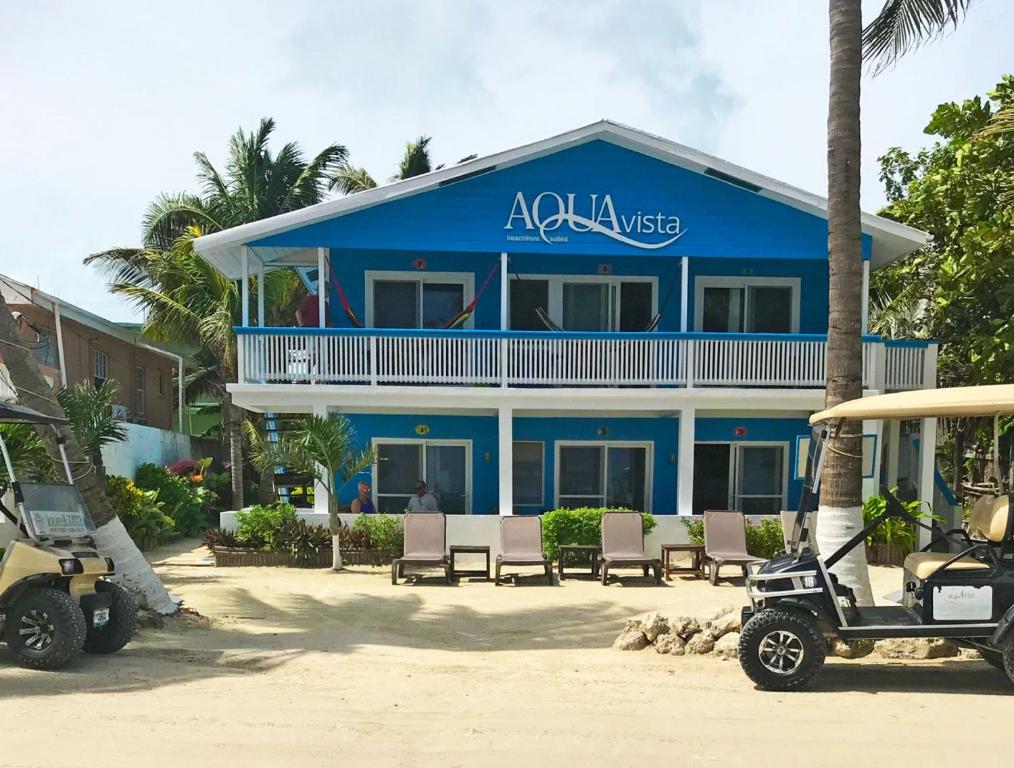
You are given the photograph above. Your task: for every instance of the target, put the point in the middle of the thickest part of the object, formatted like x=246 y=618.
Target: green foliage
x=301 y=539
x=894 y=531
x=582 y=525
x=182 y=499
x=273 y=528
x=27 y=451
x=763 y=539
x=383 y=532
x=90 y=413
x=217 y=537
x=140 y=512
x=259 y=526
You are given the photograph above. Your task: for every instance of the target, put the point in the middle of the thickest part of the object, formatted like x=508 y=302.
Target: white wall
x=143 y=445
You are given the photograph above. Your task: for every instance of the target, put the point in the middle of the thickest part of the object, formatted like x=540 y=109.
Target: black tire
x=992 y=657
x=45 y=629
x=122 y=621
x=1007 y=658
x=777 y=637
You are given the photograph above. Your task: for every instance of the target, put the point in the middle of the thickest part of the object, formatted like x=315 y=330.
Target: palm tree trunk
x=234 y=434
x=132 y=570
x=841 y=487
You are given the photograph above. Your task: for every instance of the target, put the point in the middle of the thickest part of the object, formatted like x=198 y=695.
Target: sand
x=314 y=667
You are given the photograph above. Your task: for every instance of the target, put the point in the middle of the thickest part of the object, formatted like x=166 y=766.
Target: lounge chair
x=425 y=544
x=521 y=544
x=623 y=545
x=789 y=520
x=725 y=541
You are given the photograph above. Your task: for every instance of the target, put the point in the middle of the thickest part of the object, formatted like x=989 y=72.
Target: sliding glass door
x=749 y=477
x=410 y=300
x=583 y=302
x=443 y=465
x=603 y=475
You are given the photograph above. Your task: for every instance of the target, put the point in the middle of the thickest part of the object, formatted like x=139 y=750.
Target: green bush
x=140 y=512
x=582 y=525
x=259 y=526
x=763 y=539
x=181 y=498
x=301 y=539
x=894 y=530
x=383 y=532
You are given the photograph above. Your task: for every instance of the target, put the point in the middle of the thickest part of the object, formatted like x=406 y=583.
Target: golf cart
x=960 y=586
x=54 y=600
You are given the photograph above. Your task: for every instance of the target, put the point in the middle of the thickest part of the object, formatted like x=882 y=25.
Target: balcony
x=373 y=356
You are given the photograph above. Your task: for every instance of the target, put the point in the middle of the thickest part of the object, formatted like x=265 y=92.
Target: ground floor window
x=528 y=473
x=603 y=475
x=444 y=465
x=749 y=477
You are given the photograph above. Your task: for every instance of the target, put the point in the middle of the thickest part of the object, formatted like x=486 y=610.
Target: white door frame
x=733 y=281
x=649 y=464
x=734 y=464
x=466 y=444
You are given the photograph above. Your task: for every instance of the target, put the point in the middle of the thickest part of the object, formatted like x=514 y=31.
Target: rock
x=849 y=649
x=664 y=643
x=655 y=624
x=634 y=624
x=149 y=619
x=710 y=616
x=701 y=643
x=723 y=625
x=679 y=645
x=727 y=646
x=917 y=648
x=632 y=639
x=684 y=626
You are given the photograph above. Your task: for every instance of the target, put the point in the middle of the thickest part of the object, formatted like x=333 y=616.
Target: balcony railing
x=564 y=359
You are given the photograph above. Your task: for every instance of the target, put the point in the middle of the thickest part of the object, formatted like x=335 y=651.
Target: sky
x=104 y=103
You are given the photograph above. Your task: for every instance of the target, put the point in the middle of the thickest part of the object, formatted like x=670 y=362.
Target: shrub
x=181 y=499
x=894 y=531
x=300 y=539
x=763 y=539
x=383 y=532
x=217 y=537
x=140 y=512
x=355 y=537
x=582 y=525
x=259 y=526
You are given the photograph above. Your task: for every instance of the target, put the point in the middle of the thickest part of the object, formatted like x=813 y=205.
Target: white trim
x=245 y=287
x=557 y=281
x=504 y=308
x=466 y=444
x=505 y=460
x=890 y=239
x=732 y=281
x=685 y=462
x=733 y=481
x=649 y=466
x=465 y=279
x=542 y=473
x=323 y=261
x=866 y=298
x=684 y=294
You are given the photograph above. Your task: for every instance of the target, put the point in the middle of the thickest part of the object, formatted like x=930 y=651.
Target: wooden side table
x=467 y=549
x=697 y=558
x=592 y=551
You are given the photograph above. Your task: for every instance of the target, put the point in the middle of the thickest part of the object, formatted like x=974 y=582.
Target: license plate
x=100 y=618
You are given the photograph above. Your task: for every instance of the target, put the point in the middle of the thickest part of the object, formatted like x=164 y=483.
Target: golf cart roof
x=992 y=400
x=18 y=414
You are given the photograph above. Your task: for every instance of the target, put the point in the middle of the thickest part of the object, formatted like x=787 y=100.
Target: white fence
x=560 y=359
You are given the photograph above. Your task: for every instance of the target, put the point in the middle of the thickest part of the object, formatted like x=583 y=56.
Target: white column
x=684 y=294
x=244 y=257
x=260 y=295
x=685 y=463
x=892 y=440
x=866 y=297
x=503 y=291
x=927 y=466
x=871 y=485
x=321 y=287
x=505 y=431
x=319 y=489
x=59 y=343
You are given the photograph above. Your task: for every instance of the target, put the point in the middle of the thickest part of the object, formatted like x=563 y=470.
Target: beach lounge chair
x=521 y=544
x=425 y=544
x=623 y=545
x=725 y=541
x=789 y=519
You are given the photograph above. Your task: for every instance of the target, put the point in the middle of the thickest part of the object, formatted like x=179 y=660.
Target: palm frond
x=348 y=180
x=89 y=409
x=416 y=160
x=315 y=177
x=903 y=25
x=170 y=215
x=124 y=265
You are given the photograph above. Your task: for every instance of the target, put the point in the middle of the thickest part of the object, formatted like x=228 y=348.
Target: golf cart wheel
x=781 y=650
x=45 y=629
x=992 y=657
x=1007 y=657
x=122 y=621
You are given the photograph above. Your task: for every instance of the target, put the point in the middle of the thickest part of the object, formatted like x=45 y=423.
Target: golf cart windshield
x=55 y=511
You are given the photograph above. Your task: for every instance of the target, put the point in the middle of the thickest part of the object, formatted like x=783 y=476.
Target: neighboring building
x=91 y=348
x=649 y=329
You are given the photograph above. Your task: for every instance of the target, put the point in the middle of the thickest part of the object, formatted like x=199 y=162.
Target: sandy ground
x=313 y=667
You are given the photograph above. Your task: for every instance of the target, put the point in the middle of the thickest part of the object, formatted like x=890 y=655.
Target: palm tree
x=89 y=409
x=323 y=447
x=184 y=298
x=111 y=538
x=901 y=26
x=414 y=162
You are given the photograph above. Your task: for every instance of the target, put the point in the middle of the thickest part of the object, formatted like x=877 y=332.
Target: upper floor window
x=161 y=383
x=414 y=299
x=747 y=304
x=583 y=302
x=139 y=390
x=100 y=367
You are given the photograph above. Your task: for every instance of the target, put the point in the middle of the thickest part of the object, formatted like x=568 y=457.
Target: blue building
x=604 y=317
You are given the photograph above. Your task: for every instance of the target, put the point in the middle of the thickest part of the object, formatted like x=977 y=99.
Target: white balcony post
x=685 y=463
x=260 y=295
x=320 y=493
x=244 y=257
x=321 y=287
x=503 y=291
x=892 y=439
x=929 y=366
x=684 y=294
x=505 y=431
x=866 y=297
x=927 y=469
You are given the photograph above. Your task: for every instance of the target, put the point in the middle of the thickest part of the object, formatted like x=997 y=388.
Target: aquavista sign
x=551 y=217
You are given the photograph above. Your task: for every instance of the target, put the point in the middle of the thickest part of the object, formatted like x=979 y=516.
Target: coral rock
x=632 y=639
x=727 y=646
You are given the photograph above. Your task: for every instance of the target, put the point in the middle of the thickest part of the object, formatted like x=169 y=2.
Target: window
x=445 y=465
x=603 y=475
x=747 y=304
x=750 y=477
x=528 y=474
x=161 y=384
x=415 y=300
x=583 y=302
x=100 y=367
x=139 y=390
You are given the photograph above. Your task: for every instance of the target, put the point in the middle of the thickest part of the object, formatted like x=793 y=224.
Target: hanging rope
x=349 y=312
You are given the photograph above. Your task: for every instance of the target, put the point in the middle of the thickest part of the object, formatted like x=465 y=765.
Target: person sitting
x=423 y=501
x=363 y=503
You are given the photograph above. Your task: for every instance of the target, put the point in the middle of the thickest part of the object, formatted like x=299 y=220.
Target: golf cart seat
x=989 y=522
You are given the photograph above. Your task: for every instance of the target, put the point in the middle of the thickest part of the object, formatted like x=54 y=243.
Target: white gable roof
x=891 y=239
